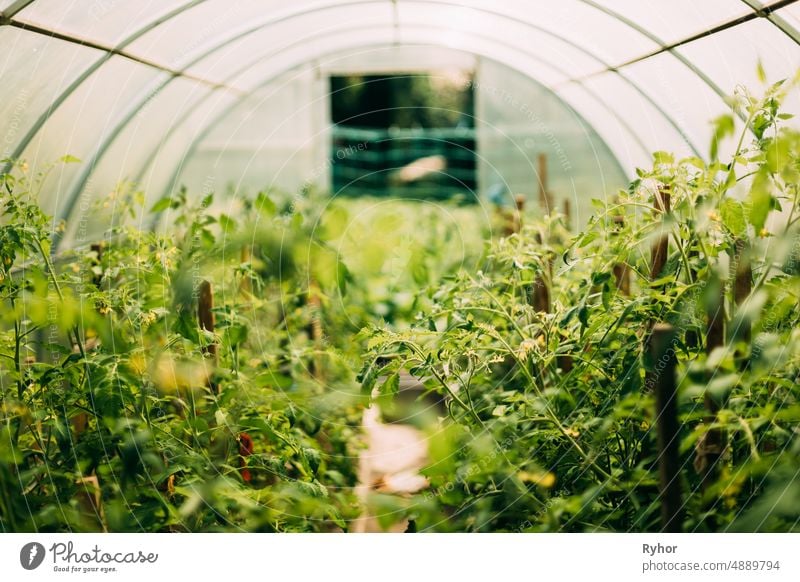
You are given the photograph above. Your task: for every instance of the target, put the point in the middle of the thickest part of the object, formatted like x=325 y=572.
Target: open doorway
x=404 y=135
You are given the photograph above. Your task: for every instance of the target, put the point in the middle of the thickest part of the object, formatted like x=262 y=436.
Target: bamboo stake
x=544 y=195
x=246 y=286
x=743 y=284
x=540 y=297
x=90 y=500
x=622 y=273
x=662 y=350
x=711 y=446
x=658 y=259
x=205 y=318
x=660 y=250
x=513 y=218
x=315 y=329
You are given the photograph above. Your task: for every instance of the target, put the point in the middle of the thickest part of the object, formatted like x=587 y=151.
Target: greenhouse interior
x=400 y=266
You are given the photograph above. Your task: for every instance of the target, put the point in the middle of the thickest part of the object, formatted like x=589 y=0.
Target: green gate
x=427 y=164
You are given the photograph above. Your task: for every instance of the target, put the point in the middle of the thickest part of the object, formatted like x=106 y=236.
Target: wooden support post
x=246 y=257
x=742 y=284
x=540 y=301
x=658 y=259
x=567 y=213
x=98 y=250
x=315 y=331
x=622 y=273
x=540 y=295
x=90 y=501
x=513 y=217
x=544 y=195
x=711 y=446
x=660 y=250
x=662 y=352
x=205 y=318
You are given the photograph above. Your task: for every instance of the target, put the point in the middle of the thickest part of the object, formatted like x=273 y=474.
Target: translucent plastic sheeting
x=9 y=4
x=34 y=69
x=675 y=20
x=460 y=27
x=268 y=140
x=626 y=146
x=656 y=103
x=318 y=50
x=169 y=158
x=578 y=22
x=80 y=124
x=731 y=57
x=102 y=21
x=128 y=153
x=194 y=32
x=393 y=58
x=632 y=108
x=687 y=99
x=791 y=14
x=516 y=124
x=309 y=31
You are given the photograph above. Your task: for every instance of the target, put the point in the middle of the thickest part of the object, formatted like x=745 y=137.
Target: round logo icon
x=31 y=555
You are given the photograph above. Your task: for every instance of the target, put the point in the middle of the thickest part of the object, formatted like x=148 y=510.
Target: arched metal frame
x=172 y=182
x=7 y=18
x=267 y=81
x=73 y=195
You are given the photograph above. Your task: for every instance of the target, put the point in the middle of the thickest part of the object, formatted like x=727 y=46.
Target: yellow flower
x=543 y=479
x=171 y=375
x=525 y=348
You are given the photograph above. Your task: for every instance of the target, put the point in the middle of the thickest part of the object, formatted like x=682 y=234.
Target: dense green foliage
x=116 y=415
x=533 y=443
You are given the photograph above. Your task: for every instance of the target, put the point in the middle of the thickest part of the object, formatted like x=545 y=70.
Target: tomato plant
x=541 y=358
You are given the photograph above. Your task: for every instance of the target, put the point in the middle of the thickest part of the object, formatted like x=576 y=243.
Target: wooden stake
x=662 y=351
x=246 y=257
x=540 y=296
x=742 y=284
x=205 y=317
x=544 y=195
x=622 y=273
x=513 y=218
x=98 y=250
x=711 y=445
x=660 y=250
x=315 y=329
x=90 y=500
x=567 y=213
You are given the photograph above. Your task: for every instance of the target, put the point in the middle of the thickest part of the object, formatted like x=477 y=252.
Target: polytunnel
x=399 y=266
x=170 y=93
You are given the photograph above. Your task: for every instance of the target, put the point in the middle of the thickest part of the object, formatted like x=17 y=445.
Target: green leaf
x=661 y=157
x=161 y=205
x=226 y=223
x=760 y=201
x=334 y=222
x=265 y=205
x=760 y=72
x=724 y=126
x=68 y=159
x=733 y=216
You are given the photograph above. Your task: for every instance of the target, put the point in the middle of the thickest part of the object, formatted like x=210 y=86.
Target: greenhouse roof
x=645 y=74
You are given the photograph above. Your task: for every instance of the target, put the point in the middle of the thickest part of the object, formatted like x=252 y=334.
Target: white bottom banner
x=406 y=557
